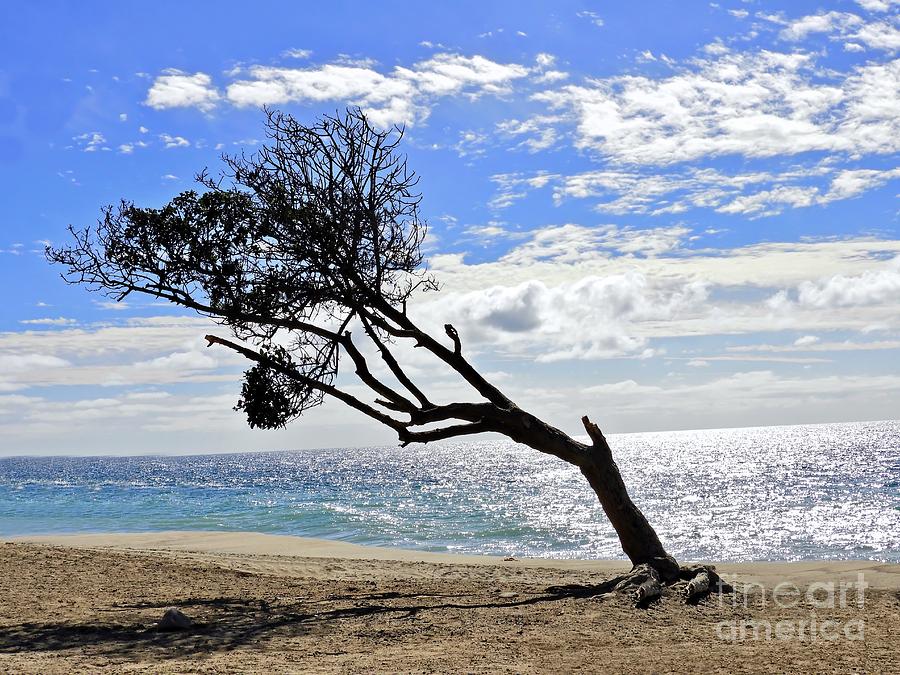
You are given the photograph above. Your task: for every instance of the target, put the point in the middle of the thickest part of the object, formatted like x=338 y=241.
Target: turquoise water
x=772 y=493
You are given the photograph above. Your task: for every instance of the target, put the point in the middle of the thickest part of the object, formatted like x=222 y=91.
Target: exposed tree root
x=645 y=584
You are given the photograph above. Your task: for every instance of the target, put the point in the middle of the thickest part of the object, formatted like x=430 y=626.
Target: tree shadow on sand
x=222 y=624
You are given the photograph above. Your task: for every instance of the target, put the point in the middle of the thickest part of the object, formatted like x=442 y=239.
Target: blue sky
x=663 y=214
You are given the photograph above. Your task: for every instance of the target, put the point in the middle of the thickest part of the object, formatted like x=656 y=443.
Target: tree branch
x=392 y=363
x=362 y=370
x=470 y=412
x=407 y=437
x=453 y=358
x=453 y=335
x=180 y=297
x=349 y=399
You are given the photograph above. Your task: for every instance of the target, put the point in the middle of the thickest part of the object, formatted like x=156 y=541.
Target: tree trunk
x=638 y=538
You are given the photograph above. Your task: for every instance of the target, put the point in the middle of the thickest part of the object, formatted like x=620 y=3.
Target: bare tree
x=318 y=232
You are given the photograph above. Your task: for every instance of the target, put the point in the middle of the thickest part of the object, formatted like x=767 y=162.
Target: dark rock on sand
x=174 y=619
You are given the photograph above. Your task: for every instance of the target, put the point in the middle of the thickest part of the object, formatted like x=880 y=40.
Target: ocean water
x=769 y=493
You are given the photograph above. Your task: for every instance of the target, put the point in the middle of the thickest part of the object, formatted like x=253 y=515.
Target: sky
x=666 y=215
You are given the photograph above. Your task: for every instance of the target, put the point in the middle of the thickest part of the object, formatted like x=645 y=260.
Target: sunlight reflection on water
x=769 y=493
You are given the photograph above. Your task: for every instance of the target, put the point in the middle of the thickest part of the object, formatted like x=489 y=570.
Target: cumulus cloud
x=878 y=35
x=588 y=319
x=877 y=5
x=843 y=291
x=177 y=89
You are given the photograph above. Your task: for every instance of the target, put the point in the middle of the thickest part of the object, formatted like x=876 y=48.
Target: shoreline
x=211 y=544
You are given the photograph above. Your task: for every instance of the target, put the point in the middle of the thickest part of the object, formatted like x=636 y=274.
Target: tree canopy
x=287 y=247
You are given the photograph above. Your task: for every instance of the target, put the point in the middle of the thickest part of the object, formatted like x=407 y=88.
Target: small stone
x=173 y=620
x=508 y=558
x=508 y=594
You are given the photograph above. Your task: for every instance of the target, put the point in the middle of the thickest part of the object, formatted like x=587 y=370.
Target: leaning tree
x=318 y=232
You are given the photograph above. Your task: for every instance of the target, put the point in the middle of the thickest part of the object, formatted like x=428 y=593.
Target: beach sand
x=265 y=603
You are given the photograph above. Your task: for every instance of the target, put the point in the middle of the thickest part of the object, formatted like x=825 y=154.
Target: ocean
x=828 y=491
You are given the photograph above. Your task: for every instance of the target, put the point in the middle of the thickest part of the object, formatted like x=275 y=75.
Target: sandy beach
x=264 y=603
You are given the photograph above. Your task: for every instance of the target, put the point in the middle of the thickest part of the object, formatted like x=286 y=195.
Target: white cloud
x=588 y=319
x=843 y=26
x=18 y=363
x=157 y=351
x=820 y=23
x=296 y=53
x=571 y=252
x=853 y=182
x=177 y=89
x=879 y=35
x=844 y=291
x=650 y=243
x=174 y=141
x=811 y=343
x=755 y=104
x=398 y=97
x=877 y=5
x=549 y=76
x=806 y=341
x=493 y=231
x=471 y=143
x=762 y=202
x=58 y=321
x=593 y=17
x=564 y=244
x=732 y=283
x=538 y=132
x=546 y=72
x=754 y=194
x=761 y=390
x=91 y=141
x=446 y=74
x=180 y=362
